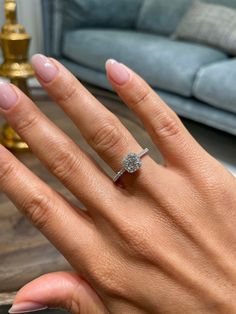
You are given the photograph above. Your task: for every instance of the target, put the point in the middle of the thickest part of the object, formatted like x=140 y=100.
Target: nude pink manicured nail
x=44 y=67
x=8 y=96
x=117 y=72
x=26 y=307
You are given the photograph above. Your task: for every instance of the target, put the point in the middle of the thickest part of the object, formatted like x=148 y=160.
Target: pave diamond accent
x=132 y=163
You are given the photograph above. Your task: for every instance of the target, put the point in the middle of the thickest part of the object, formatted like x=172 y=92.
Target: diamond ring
x=131 y=163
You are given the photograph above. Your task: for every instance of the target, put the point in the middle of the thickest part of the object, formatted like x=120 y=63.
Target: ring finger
x=102 y=129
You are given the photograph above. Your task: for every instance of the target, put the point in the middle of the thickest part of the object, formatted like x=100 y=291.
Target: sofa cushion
x=100 y=13
x=164 y=63
x=227 y=3
x=62 y=15
x=210 y=24
x=161 y=16
x=215 y=84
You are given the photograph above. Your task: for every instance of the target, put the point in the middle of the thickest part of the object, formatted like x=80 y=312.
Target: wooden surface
x=24 y=252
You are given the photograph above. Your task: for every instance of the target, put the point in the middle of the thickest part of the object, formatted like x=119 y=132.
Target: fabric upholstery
x=100 y=13
x=161 y=16
x=71 y=14
x=164 y=63
x=210 y=24
x=226 y=3
x=185 y=107
x=157 y=16
x=215 y=84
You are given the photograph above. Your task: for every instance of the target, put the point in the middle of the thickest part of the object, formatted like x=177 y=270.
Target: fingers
x=54 y=148
x=50 y=213
x=102 y=130
x=58 y=290
x=165 y=128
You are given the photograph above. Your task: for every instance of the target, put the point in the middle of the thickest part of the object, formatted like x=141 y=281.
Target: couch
x=197 y=81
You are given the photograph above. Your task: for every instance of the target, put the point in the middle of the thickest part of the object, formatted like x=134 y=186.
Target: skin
x=161 y=241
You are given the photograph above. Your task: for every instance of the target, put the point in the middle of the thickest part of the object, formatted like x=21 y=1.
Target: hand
x=161 y=241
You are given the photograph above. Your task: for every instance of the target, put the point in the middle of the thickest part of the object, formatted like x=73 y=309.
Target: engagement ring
x=131 y=163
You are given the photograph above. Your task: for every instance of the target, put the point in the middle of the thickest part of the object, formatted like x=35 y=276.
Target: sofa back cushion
x=210 y=24
x=63 y=15
x=100 y=13
x=163 y=16
x=227 y=3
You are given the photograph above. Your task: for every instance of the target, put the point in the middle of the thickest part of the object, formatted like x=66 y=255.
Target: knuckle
x=141 y=97
x=25 y=124
x=136 y=241
x=37 y=209
x=65 y=162
x=67 y=93
x=213 y=178
x=108 y=137
x=164 y=125
x=107 y=279
x=7 y=169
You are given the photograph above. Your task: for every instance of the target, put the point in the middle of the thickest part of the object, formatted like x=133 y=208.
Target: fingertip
x=109 y=63
x=36 y=56
x=44 y=68
x=117 y=72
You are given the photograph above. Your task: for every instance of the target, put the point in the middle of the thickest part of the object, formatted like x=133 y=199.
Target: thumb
x=65 y=290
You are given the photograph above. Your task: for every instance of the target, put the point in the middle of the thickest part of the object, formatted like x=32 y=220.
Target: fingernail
x=26 y=307
x=44 y=67
x=8 y=96
x=117 y=72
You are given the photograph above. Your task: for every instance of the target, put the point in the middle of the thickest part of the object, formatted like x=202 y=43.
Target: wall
x=29 y=14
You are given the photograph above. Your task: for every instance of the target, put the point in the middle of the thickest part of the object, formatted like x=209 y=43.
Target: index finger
x=167 y=131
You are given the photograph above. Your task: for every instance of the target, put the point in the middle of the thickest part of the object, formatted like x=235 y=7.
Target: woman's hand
x=163 y=240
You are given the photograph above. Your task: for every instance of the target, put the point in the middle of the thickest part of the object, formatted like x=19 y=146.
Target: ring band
x=131 y=163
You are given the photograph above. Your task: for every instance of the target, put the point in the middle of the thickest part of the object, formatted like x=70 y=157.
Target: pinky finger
x=44 y=207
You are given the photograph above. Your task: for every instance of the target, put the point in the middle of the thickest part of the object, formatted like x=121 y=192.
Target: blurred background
x=30 y=15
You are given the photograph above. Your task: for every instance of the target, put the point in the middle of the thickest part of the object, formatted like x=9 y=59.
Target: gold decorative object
x=15 y=45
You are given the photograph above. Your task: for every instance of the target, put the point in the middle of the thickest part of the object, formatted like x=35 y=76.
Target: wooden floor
x=24 y=252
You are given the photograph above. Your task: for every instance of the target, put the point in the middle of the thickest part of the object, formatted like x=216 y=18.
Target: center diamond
x=132 y=163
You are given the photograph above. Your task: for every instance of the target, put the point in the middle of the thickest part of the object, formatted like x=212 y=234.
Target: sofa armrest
x=60 y=16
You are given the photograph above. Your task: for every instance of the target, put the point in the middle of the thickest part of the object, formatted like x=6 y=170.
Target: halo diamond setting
x=132 y=163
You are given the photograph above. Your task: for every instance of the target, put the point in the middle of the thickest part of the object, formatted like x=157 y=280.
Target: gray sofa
x=197 y=81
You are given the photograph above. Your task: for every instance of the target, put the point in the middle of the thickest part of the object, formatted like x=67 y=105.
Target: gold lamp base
x=11 y=140
x=15 y=43
x=15 y=70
